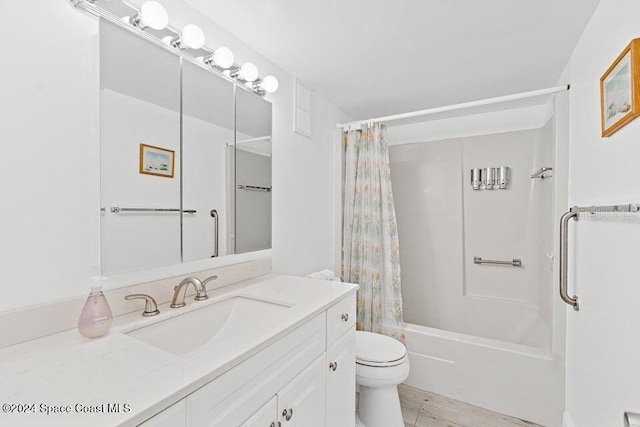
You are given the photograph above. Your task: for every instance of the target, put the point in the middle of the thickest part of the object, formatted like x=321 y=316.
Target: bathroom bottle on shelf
x=96 y=317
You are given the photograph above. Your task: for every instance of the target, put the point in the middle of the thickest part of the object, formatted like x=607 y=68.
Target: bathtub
x=513 y=379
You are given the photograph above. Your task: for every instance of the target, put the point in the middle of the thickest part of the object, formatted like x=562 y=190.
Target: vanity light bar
x=151 y=23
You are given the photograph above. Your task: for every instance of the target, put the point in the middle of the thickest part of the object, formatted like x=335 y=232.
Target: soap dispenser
x=96 y=317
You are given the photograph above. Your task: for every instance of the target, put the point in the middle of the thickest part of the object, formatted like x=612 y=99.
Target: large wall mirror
x=253 y=174
x=185 y=159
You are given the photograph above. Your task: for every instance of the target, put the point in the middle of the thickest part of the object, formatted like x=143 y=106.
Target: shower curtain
x=370 y=248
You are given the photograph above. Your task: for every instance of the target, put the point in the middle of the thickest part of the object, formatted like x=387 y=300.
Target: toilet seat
x=377 y=350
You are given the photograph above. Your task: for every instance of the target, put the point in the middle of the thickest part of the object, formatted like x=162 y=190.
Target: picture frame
x=620 y=90
x=157 y=161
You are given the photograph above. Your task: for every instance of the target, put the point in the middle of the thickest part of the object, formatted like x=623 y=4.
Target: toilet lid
x=378 y=350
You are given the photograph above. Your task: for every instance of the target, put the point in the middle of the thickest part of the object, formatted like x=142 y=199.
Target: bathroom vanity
x=271 y=351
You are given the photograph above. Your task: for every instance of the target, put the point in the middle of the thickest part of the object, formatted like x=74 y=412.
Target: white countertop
x=67 y=370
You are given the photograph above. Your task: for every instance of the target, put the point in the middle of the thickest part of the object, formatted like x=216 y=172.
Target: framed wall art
x=620 y=90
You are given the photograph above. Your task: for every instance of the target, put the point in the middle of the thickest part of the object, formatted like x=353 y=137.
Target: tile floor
x=424 y=409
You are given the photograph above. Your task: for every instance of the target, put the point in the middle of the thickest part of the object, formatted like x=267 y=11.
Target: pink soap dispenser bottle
x=96 y=317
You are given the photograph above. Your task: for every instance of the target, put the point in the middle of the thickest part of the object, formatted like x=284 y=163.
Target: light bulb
x=192 y=37
x=223 y=57
x=248 y=72
x=269 y=84
x=152 y=15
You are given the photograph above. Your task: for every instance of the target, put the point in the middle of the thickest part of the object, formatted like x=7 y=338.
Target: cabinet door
x=302 y=402
x=173 y=416
x=341 y=381
x=267 y=416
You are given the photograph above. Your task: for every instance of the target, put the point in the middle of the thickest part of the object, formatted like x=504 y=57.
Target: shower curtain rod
x=480 y=102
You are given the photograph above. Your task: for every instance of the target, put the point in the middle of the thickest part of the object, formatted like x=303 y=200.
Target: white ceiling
x=379 y=57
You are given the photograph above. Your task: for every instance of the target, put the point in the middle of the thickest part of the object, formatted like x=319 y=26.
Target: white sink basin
x=227 y=322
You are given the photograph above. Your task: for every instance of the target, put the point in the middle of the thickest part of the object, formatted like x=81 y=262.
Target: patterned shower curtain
x=370 y=248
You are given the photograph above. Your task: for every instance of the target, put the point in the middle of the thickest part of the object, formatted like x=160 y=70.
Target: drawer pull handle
x=345 y=317
x=333 y=366
x=287 y=414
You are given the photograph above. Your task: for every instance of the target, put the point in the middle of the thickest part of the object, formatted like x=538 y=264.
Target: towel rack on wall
x=116 y=209
x=253 y=188
x=564 y=242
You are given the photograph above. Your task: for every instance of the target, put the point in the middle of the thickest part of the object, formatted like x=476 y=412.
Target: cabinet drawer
x=340 y=318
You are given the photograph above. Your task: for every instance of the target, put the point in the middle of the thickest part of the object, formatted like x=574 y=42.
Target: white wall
x=48 y=106
x=602 y=344
x=49 y=109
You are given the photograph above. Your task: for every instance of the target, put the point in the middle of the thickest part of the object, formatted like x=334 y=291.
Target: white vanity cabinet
x=341 y=384
x=304 y=379
x=302 y=402
x=265 y=416
x=173 y=416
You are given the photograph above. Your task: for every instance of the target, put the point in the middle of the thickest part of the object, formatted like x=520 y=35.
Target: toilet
x=381 y=364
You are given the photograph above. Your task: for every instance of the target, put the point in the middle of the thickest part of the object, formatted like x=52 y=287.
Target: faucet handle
x=150 y=305
x=209 y=279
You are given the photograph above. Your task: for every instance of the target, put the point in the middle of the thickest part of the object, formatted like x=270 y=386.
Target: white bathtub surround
x=67 y=369
x=370 y=255
x=492 y=336
x=512 y=379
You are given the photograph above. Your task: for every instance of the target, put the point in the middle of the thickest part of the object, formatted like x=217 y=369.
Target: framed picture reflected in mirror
x=157 y=161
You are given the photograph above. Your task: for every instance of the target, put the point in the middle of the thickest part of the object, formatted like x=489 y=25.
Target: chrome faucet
x=201 y=292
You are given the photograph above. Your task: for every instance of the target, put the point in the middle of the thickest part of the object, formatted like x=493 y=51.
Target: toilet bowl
x=381 y=364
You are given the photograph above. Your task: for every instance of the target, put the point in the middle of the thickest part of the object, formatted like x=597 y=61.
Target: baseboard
x=566 y=420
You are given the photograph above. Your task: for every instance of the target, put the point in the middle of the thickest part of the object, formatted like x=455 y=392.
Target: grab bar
x=564 y=241
x=214 y=215
x=516 y=262
x=253 y=187
x=116 y=209
x=564 y=249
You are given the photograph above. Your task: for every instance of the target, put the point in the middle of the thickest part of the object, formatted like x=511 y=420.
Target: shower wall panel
x=443 y=223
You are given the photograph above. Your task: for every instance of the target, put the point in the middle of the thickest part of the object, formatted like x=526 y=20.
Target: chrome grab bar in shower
x=564 y=241
x=516 y=262
x=116 y=209
x=214 y=215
